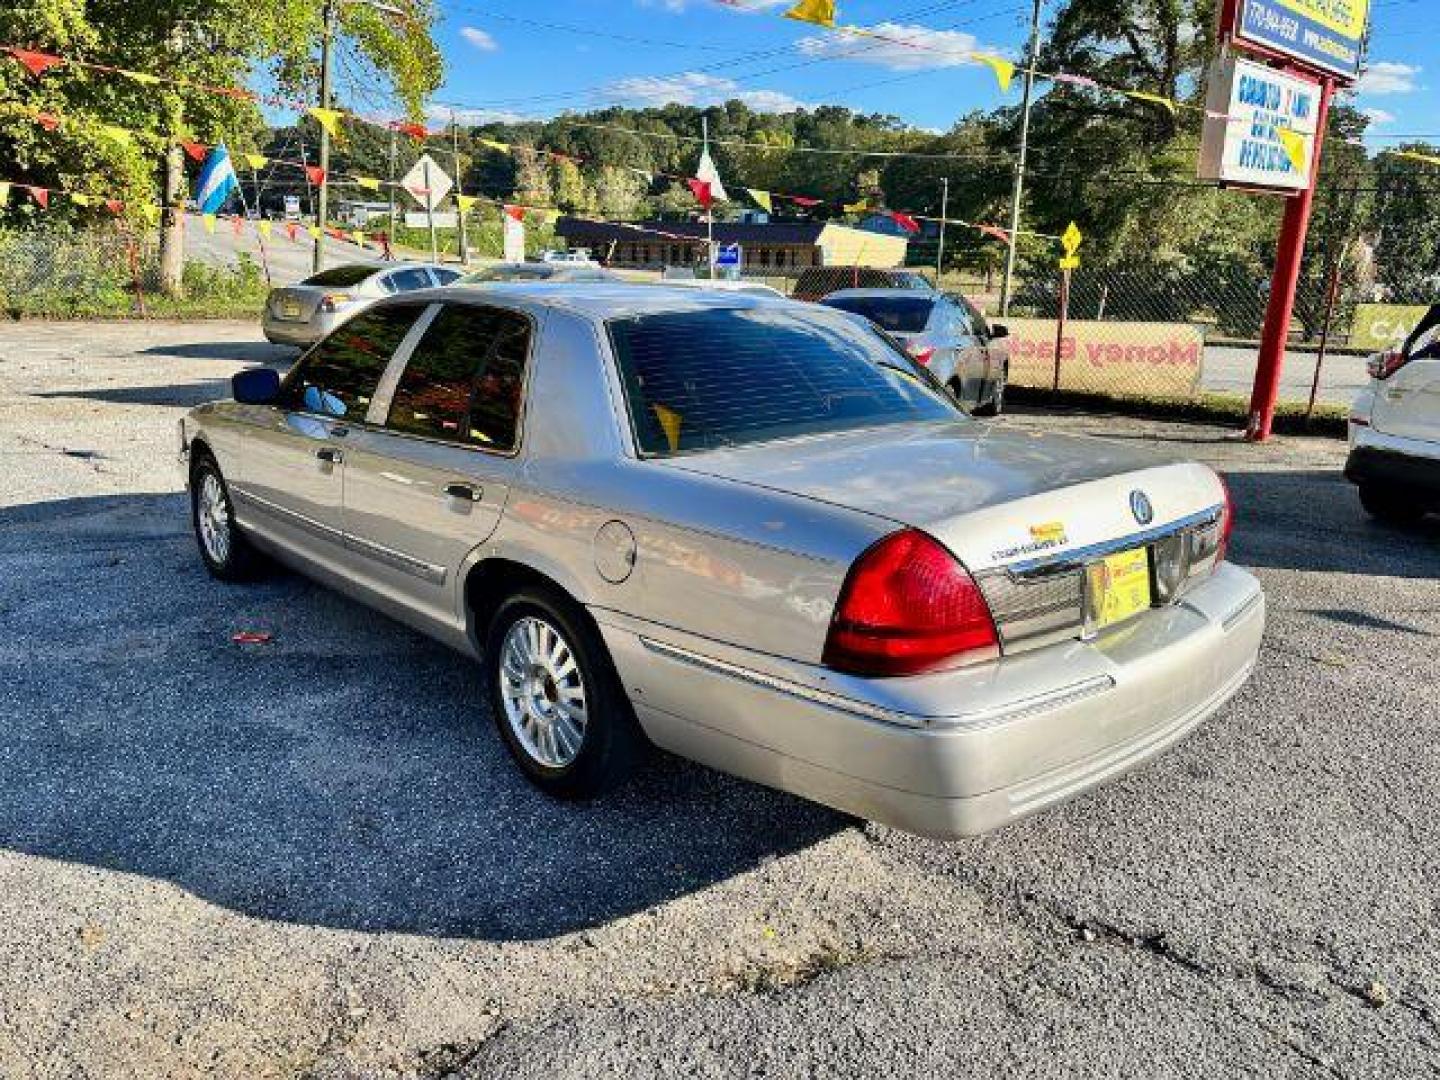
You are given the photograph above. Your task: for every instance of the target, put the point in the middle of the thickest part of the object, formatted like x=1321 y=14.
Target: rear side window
x=898 y=314
x=463 y=382
x=340 y=276
x=406 y=280
x=698 y=380
x=444 y=277
x=338 y=376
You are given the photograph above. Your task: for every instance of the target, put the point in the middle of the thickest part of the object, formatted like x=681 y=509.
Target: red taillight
x=921 y=354
x=908 y=606
x=334 y=301
x=1227 y=520
x=1383 y=365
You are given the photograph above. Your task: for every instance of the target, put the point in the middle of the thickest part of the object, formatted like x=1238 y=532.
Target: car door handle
x=463 y=491
x=330 y=455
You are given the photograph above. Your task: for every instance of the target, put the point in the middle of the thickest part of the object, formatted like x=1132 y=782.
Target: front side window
x=897 y=314
x=339 y=375
x=699 y=380
x=463 y=382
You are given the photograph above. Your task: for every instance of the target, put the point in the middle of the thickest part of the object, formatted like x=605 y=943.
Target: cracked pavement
x=310 y=859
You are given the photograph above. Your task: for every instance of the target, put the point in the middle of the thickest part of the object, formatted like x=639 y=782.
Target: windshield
x=898 y=314
x=699 y=380
x=341 y=275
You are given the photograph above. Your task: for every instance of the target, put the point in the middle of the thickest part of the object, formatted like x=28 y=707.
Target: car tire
x=226 y=551
x=556 y=698
x=1391 y=506
x=996 y=404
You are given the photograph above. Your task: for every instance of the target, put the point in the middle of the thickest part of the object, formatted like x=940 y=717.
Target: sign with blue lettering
x=1322 y=34
x=1247 y=108
x=727 y=255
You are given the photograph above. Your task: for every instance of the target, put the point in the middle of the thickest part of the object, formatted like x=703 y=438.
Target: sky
x=508 y=59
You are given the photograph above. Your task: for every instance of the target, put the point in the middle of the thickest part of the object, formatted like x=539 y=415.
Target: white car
x=1395 y=429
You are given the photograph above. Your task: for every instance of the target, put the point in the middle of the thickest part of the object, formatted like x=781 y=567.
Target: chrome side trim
x=1016 y=710
x=1074 y=560
x=428 y=572
x=291 y=517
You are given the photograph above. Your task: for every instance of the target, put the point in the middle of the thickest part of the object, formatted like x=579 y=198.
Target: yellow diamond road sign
x=1070 y=238
x=1070 y=262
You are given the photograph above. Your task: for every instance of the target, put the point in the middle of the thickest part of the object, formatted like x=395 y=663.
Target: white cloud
x=479 y=38
x=1388 y=77
x=697 y=88
x=738 y=7
x=905 y=48
x=1379 y=116
x=437 y=111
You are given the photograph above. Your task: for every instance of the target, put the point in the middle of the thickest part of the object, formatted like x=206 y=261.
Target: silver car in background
x=945 y=333
x=515 y=272
x=303 y=314
x=747 y=530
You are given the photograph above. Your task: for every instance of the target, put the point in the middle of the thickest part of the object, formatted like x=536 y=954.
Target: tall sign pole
x=1018 y=191
x=459 y=188
x=322 y=202
x=944 y=213
x=709 y=210
x=1283 y=283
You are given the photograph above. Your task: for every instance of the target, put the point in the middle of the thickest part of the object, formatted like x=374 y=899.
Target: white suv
x=1395 y=429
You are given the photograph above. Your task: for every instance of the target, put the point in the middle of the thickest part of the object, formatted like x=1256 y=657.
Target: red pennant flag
x=48 y=121
x=315 y=174
x=237 y=223
x=39 y=194
x=905 y=221
x=701 y=190
x=115 y=206
x=415 y=131
x=194 y=149
x=292 y=230
x=516 y=212
x=802 y=200
x=995 y=231
x=37 y=62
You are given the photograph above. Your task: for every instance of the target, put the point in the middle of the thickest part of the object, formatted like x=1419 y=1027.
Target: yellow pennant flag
x=369 y=183
x=142 y=77
x=855 y=207
x=465 y=202
x=819 y=12
x=4 y=192
x=1428 y=159
x=256 y=161
x=329 y=119
x=358 y=237
x=670 y=421
x=504 y=148
x=209 y=220
x=762 y=198
x=263 y=226
x=1154 y=99
x=80 y=200
x=1004 y=70
x=314 y=231
x=121 y=135
x=1294 y=145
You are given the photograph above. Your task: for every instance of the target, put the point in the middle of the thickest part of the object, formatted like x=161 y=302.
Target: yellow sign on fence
x=1384 y=326
x=1109 y=357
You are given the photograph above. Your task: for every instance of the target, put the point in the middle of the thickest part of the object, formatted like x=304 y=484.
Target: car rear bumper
x=1020 y=734
x=1409 y=465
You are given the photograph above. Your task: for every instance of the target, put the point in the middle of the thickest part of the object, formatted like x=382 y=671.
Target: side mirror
x=998 y=331
x=257 y=386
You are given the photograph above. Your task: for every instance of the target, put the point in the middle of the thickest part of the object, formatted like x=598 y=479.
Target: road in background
x=313 y=857
x=1230 y=369
x=288 y=261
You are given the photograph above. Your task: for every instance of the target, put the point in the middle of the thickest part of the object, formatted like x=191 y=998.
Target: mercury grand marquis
x=747 y=530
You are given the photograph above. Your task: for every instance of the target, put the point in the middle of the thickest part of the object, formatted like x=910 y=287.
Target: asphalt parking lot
x=310 y=857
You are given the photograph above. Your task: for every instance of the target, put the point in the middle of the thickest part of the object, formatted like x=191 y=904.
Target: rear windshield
x=538 y=272
x=898 y=314
x=341 y=275
x=700 y=380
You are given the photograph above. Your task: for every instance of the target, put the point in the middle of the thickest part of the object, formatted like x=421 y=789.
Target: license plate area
x=290 y=309
x=1117 y=587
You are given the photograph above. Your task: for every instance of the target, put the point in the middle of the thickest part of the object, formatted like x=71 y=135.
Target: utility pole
x=430 y=214
x=322 y=203
x=1018 y=192
x=709 y=210
x=459 y=188
x=391 y=179
x=944 y=213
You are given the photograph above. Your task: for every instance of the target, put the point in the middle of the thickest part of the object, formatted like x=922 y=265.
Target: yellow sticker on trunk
x=1118 y=587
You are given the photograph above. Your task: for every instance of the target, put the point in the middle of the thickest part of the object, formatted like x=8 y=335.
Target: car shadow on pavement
x=340 y=775
x=184 y=395
x=259 y=352
x=1275 y=516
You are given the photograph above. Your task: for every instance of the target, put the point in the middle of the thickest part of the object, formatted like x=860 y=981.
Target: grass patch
x=1226 y=409
x=97 y=290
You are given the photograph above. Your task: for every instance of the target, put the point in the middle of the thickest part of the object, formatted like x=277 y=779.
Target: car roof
x=601 y=300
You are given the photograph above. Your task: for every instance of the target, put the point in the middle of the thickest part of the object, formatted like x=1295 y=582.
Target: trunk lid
x=297 y=303
x=994 y=496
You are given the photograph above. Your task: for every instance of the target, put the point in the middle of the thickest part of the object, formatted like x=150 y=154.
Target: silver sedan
x=750 y=531
x=302 y=314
